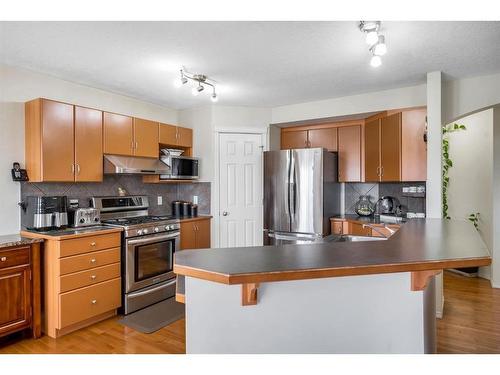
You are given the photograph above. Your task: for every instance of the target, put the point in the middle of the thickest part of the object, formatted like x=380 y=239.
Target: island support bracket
x=420 y=279
x=249 y=294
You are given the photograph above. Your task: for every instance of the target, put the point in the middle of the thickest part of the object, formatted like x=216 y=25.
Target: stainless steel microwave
x=181 y=168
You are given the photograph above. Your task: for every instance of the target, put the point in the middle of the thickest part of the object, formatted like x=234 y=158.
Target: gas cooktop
x=137 y=220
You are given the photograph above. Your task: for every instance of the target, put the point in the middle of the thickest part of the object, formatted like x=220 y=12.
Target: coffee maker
x=45 y=213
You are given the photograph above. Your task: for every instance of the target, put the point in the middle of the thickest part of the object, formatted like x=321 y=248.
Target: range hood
x=116 y=164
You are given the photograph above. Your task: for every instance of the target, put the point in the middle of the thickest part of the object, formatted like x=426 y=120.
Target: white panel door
x=240 y=178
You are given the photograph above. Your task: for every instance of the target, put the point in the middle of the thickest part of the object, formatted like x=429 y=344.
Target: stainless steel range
x=148 y=247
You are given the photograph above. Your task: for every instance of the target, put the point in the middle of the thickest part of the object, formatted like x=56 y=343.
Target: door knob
x=225 y=213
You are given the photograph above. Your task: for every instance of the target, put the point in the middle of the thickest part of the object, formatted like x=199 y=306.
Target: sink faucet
x=377 y=229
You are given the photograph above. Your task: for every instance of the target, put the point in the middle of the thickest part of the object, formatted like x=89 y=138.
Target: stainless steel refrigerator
x=301 y=193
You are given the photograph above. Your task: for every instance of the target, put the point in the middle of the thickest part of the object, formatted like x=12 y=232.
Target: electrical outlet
x=195 y=199
x=160 y=200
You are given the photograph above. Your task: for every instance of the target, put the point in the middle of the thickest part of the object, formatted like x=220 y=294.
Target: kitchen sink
x=351 y=238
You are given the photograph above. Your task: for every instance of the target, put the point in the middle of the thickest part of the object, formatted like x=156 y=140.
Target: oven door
x=150 y=260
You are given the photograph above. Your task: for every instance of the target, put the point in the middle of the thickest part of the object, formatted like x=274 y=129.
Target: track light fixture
x=200 y=80
x=375 y=40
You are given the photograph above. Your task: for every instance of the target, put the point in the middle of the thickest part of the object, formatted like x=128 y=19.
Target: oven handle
x=153 y=238
x=161 y=286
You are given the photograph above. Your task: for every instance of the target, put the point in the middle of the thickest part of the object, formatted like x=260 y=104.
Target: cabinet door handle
x=92 y=244
x=73 y=168
x=94 y=301
x=381 y=171
x=136 y=145
x=78 y=169
x=93 y=260
x=93 y=277
x=3 y=259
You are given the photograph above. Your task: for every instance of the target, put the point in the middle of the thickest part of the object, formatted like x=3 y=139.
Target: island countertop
x=420 y=245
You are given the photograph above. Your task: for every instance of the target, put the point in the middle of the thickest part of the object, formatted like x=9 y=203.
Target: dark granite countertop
x=420 y=244
x=17 y=240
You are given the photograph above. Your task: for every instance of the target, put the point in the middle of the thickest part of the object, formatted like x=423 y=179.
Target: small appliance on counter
x=84 y=217
x=45 y=213
x=388 y=205
x=181 y=167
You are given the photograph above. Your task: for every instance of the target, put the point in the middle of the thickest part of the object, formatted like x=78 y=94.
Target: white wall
x=471 y=177
x=413 y=96
x=464 y=96
x=18 y=86
x=495 y=266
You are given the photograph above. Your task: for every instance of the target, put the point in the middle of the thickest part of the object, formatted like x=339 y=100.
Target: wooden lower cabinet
x=354 y=228
x=82 y=281
x=195 y=233
x=20 y=305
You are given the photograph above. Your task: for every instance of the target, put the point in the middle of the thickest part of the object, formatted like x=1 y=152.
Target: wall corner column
x=434 y=164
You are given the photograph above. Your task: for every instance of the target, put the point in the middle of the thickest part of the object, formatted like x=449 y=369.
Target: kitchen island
x=340 y=297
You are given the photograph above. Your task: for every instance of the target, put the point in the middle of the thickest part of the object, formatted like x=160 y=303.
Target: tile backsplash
x=377 y=190
x=132 y=184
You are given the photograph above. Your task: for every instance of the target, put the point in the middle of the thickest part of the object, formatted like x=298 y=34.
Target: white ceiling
x=254 y=63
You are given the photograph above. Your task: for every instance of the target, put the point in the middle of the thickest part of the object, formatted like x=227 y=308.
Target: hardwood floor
x=471 y=324
x=107 y=337
x=471 y=319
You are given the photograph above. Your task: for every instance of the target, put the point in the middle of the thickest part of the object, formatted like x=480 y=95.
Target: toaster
x=84 y=217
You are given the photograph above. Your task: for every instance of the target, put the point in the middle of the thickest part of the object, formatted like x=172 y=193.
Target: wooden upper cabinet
x=184 y=137
x=49 y=148
x=176 y=136
x=413 y=146
x=168 y=134
x=118 y=134
x=146 y=138
x=349 y=149
x=324 y=137
x=294 y=139
x=390 y=147
x=372 y=150
x=88 y=144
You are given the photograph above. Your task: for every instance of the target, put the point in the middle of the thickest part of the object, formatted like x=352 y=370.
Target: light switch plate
x=160 y=200
x=195 y=199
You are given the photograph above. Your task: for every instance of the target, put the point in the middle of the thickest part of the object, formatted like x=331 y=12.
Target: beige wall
x=18 y=86
x=471 y=177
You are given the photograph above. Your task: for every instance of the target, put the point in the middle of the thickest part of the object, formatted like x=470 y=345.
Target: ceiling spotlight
x=200 y=80
x=179 y=82
x=375 y=61
x=371 y=37
x=380 y=48
x=370 y=28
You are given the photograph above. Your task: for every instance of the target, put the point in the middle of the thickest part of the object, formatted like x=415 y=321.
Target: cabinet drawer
x=91 y=243
x=82 y=304
x=89 y=261
x=90 y=277
x=14 y=257
x=337 y=227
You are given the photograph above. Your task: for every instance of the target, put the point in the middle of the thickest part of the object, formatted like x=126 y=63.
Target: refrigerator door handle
x=292 y=188
x=290 y=237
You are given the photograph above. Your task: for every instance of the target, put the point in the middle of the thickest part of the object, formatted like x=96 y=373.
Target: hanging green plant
x=474 y=218
x=447 y=162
